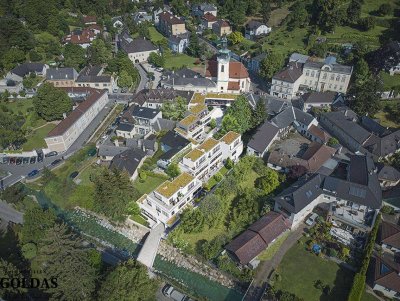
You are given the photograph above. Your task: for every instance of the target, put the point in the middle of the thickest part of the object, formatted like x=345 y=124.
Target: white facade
x=325 y=79
x=139 y=57
x=387 y=291
x=285 y=89
x=64 y=138
x=260 y=30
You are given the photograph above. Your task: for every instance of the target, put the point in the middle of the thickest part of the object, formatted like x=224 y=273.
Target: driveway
x=143 y=77
x=157 y=74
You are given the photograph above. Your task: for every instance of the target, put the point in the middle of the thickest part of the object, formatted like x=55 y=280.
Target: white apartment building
x=170 y=198
x=69 y=129
x=190 y=128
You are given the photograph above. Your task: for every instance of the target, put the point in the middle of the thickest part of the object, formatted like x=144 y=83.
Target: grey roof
x=252 y=25
x=319 y=97
x=207 y=7
x=128 y=161
x=274 y=105
x=26 y=68
x=91 y=70
x=187 y=77
x=130 y=45
x=335 y=67
x=164 y=124
x=387 y=172
x=290 y=74
x=373 y=126
x=263 y=137
x=143 y=112
x=301 y=193
x=302 y=116
x=284 y=118
x=298 y=57
x=174 y=140
x=346 y=123
x=125 y=127
x=110 y=150
x=61 y=74
x=383 y=146
x=177 y=39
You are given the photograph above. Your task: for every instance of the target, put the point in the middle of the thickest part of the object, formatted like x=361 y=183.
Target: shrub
x=218 y=177
x=358 y=287
x=367 y=23
x=332 y=252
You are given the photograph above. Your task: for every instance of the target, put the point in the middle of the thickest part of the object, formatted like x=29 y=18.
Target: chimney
x=116 y=142
x=64 y=115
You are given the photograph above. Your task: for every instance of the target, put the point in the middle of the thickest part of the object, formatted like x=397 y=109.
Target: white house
x=255 y=29
x=138 y=49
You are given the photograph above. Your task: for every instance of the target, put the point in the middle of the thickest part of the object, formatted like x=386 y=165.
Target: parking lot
x=294 y=144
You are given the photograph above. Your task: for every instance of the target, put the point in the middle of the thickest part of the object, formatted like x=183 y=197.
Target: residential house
x=93 y=77
x=129 y=161
x=69 y=129
x=107 y=152
x=18 y=73
x=389 y=236
x=317 y=100
x=117 y=22
x=354 y=201
x=254 y=63
x=208 y=20
x=254 y=29
x=249 y=244
x=173 y=145
x=138 y=49
x=221 y=28
x=156 y=14
x=311 y=160
x=125 y=130
x=62 y=77
x=199 y=10
x=179 y=43
x=89 y=20
x=154 y=98
x=207 y=159
x=317 y=134
x=82 y=37
x=171 y=25
x=141 y=16
x=190 y=128
x=286 y=83
x=388 y=176
x=144 y=120
x=384 y=275
x=10 y=85
x=262 y=140
x=169 y=199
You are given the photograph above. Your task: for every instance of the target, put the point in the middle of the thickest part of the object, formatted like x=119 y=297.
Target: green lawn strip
x=139 y=219
x=268 y=253
x=35 y=140
x=178 y=60
x=369 y=297
x=299 y=270
x=152 y=182
x=155 y=36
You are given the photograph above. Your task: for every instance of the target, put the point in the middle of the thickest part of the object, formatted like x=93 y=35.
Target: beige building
x=138 y=50
x=62 y=77
x=171 y=25
x=69 y=129
x=221 y=28
x=93 y=77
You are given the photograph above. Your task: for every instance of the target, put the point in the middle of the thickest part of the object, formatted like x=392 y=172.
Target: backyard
x=385 y=115
x=291 y=275
x=178 y=60
x=155 y=36
x=35 y=139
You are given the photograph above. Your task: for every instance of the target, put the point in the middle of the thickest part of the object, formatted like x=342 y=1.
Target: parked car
x=51 y=154
x=6 y=160
x=33 y=173
x=171 y=292
x=40 y=157
x=311 y=219
x=12 y=160
x=32 y=160
x=73 y=175
x=55 y=162
x=18 y=161
x=25 y=160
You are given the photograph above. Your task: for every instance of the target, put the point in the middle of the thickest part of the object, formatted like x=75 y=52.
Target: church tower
x=223 y=66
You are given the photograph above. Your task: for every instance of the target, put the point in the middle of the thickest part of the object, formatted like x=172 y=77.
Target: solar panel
x=358 y=192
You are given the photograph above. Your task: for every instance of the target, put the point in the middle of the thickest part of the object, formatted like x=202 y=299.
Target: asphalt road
x=143 y=78
x=9 y=214
x=18 y=172
x=121 y=97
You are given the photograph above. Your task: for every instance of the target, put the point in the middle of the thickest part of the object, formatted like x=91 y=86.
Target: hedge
x=358 y=286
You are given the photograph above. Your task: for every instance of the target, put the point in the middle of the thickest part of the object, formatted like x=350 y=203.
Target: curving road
x=143 y=78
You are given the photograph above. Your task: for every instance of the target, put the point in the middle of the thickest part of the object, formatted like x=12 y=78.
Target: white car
x=311 y=219
x=171 y=292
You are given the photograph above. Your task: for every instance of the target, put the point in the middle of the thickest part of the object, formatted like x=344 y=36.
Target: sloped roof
x=160 y=95
x=289 y=74
x=389 y=233
x=236 y=70
x=209 y=17
x=128 y=161
x=317 y=132
x=61 y=74
x=26 y=68
x=387 y=173
x=252 y=25
x=130 y=45
x=319 y=97
x=385 y=272
x=263 y=137
x=170 y=18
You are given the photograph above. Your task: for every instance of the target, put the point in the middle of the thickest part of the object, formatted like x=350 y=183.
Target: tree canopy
x=51 y=103
x=174 y=110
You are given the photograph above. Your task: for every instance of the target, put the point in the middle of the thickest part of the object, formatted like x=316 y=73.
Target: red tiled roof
x=89 y=19
x=236 y=70
x=86 y=37
x=66 y=123
x=170 y=18
x=387 y=277
x=94 y=27
x=209 y=17
x=233 y=86
x=389 y=233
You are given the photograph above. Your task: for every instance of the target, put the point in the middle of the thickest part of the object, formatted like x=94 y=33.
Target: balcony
x=357 y=217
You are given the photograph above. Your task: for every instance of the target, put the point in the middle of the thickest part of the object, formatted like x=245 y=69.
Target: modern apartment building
x=190 y=128
x=170 y=198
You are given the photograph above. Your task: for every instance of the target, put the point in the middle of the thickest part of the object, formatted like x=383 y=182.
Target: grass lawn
x=36 y=138
x=268 y=253
x=299 y=270
x=155 y=36
x=368 y=297
x=211 y=182
x=386 y=113
x=390 y=81
x=139 y=219
x=25 y=107
x=151 y=182
x=178 y=60
x=370 y=6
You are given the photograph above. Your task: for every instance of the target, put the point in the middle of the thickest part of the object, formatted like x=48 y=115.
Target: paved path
x=9 y=214
x=148 y=252
x=143 y=77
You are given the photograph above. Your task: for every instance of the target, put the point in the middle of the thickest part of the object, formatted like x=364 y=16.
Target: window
x=222 y=68
x=312 y=73
x=332 y=77
x=307 y=73
x=305 y=82
x=343 y=79
x=337 y=78
x=324 y=76
x=335 y=87
x=341 y=88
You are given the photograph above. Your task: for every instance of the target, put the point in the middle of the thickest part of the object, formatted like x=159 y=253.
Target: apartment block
x=170 y=198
